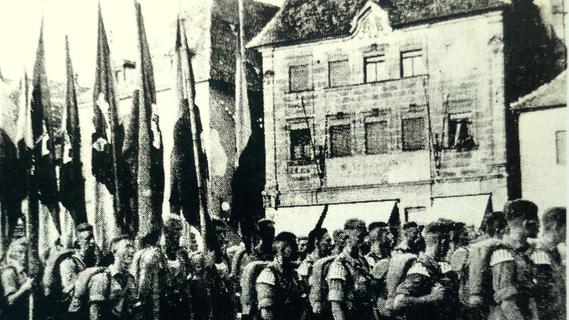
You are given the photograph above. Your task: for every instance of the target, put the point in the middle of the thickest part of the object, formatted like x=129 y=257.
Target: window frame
x=381 y=60
x=306 y=157
x=309 y=85
x=412 y=57
x=366 y=136
x=457 y=118
x=560 y=157
x=330 y=129
x=346 y=80
x=423 y=134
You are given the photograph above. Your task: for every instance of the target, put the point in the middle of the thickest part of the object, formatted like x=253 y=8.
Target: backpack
x=248 y=280
x=397 y=269
x=480 y=276
x=318 y=294
x=80 y=301
x=3 y=302
x=379 y=273
x=51 y=280
x=459 y=263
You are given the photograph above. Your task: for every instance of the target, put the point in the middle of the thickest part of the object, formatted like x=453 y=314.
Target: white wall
x=543 y=180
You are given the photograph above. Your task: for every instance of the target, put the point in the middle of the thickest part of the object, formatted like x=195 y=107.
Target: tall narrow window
x=413 y=131
x=338 y=73
x=300 y=145
x=341 y=140
x=412 y=63
x=375 y=68
x=376 y=137
x=561 y=146
x=299 y=78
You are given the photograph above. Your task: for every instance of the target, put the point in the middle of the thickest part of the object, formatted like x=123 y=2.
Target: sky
x=20 y=24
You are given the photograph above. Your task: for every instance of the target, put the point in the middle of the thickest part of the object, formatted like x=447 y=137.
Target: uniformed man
x=112 y=292
x=85 y=256
x=426 y=290
x=380 y=241
x=550 y=287
x=278 y=290
x=149 y=269
x=349 y=280
x=16 y=285
x=457 y=258
x=302 y=247
x=513 y=273
x=265 y=251
x=339 y=239
x=411 y=241
x=177 y=294
x=319 y=246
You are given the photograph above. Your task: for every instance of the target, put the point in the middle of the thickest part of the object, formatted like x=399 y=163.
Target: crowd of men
x=443 y=270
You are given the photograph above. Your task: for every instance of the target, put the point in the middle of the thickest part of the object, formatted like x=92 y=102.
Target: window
x=412 y=63
x=300 y=145
x=560 y=146
x=376 y=137
x=341 y=140
x=338 y=73
x=299 y=78
x=413 y=134
x=375 y=68
x=460 y=133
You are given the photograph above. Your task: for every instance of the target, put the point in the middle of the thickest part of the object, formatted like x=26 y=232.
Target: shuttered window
x=376 y=137
x=413 y=131
x=340 y=140
x=338 y=73
x=299 y=78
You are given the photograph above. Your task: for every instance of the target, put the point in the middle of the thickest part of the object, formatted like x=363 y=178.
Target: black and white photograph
x=283 y=159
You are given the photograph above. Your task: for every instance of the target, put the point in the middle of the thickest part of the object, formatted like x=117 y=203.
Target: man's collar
x=515 y=243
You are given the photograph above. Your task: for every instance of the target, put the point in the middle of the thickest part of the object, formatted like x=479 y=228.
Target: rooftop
x=303 y=20
x=551 y=94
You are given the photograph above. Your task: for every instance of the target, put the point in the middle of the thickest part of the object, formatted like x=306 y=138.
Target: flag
x=44 y=148
x=108 y=136
x=10 y=180
x=188 y=162
x=71 y=181
x=145 y=141
x=248 y=178
x=242 y=110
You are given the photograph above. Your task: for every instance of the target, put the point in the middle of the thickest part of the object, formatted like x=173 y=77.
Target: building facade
x=383 y=102
x=543 y=143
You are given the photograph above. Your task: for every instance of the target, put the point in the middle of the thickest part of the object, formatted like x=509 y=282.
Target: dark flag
x=44 y=147
x=108 y=136
x=10 y=179
x=248 y=179
x=188 y=162
x=71 y=181
x=145 y=135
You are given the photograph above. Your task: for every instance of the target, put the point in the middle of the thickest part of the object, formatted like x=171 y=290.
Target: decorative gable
x=371 y=22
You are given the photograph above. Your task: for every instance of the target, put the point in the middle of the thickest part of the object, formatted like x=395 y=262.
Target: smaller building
x=542 y=118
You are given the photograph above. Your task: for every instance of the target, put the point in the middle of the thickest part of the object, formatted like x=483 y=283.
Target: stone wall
x=464 y=75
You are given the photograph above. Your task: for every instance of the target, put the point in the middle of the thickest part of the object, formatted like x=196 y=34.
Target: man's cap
x=263 y=223
x=376 y=225
x=173 y=222
x=436 y=227
x=83 y=227
x=355 y=224
x=410 y=224
x=287 y=237
x=520 y=209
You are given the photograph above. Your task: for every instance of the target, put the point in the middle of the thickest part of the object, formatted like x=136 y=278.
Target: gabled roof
x=551 y=94
x=309 y=20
